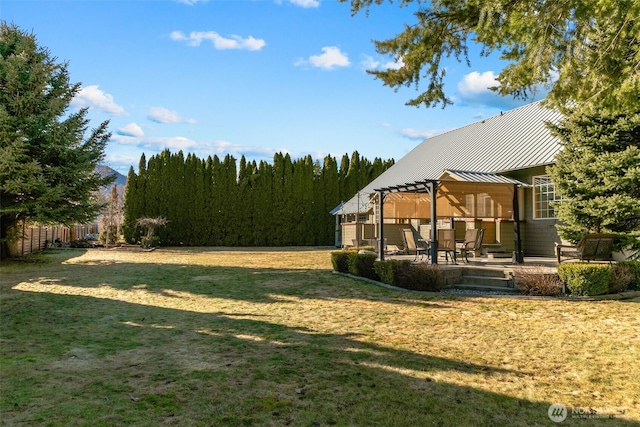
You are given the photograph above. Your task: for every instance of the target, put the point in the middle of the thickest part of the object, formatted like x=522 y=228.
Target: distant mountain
x=119 y=183
x=105 y=171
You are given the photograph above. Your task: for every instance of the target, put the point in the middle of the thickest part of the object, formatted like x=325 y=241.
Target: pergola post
x=358 y=223
x=519 y=259
x=380 y=225
x=433 y=188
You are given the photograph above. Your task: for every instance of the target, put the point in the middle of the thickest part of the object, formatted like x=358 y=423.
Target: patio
x=455 y=203
x=483 y=261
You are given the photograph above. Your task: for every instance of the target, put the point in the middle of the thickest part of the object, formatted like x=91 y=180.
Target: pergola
x=455 y=194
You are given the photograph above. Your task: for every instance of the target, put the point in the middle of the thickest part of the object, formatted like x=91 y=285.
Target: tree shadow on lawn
x=86 y=360
x=261 y=285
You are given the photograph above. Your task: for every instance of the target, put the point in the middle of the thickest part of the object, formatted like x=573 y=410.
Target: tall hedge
x=218 y=202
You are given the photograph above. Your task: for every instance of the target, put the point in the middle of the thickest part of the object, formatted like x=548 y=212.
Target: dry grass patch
x=272 y=337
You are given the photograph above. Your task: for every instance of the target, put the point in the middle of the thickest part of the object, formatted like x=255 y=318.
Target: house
x=490 y=174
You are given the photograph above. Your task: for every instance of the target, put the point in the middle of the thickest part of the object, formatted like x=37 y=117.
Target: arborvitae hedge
x=216 y=202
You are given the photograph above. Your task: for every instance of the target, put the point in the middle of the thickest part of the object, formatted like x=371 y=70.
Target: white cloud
x=395 y=65
x=195 y=38
x=474 y=90
x=93 y=97
x=178 y=36
x=131 y=129
x=171 y=142
x=122 y=161
x=154 y=145
x=125 y=139
x=476 y=84
x=237 y=150
x=370 y=63
x=162 y=115
x=420 y=134
x=330 y=59
x=306 y=3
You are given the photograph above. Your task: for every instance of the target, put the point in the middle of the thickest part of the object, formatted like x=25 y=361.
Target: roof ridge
x=502 y=114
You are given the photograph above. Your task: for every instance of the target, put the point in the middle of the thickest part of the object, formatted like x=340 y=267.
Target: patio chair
x=592 y=247
x=472 y=242
x=447 y=243
x=410 y=243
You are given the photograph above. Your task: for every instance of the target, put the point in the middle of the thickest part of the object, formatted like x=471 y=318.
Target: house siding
x=540 y=235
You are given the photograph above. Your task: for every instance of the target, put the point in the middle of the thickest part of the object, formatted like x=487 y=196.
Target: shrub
x=404 y=274
x=339 y=261
x=150 y=242
x=533 y=280
x=634 y=271
x=419 y=277
x=388 y=270
x=585 y=279
x=620 y=278
x=362 y=265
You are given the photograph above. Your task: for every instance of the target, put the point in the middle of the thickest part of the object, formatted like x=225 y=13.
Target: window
x=544 y=194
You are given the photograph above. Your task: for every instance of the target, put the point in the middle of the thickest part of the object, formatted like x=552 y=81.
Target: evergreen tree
x=264 y=217
x=217 y=203
x=200 y=203
x=282 y=199
x=210 y=226
x=353 y=178
x=155 y=202
x=131 y=202
x=48 y=157
x=345 y=194
x=244 y=203
x=224 y=198
x=230 y=192
x=134 y=202
x=173 y=187
x=587 y=51
x=597 y=174
x=152 y=188
x=308 y=232
x=190 y=200
x=331 y=195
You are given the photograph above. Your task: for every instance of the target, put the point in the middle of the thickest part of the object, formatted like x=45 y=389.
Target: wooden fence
x=37 y=238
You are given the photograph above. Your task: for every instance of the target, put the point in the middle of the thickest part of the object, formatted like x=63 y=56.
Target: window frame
x=550 y=197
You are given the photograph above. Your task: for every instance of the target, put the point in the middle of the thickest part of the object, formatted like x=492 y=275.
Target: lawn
x=271 y=337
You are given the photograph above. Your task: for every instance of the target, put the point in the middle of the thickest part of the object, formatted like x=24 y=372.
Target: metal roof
x=513 y=140
x=337 y=209
x=480 y=177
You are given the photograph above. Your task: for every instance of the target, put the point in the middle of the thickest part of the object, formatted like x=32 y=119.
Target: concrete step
x=486 y=271
x=496 y=255
x=502 y=282
x=485 y=288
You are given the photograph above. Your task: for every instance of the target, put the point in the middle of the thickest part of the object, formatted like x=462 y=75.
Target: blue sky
x=246 y=77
